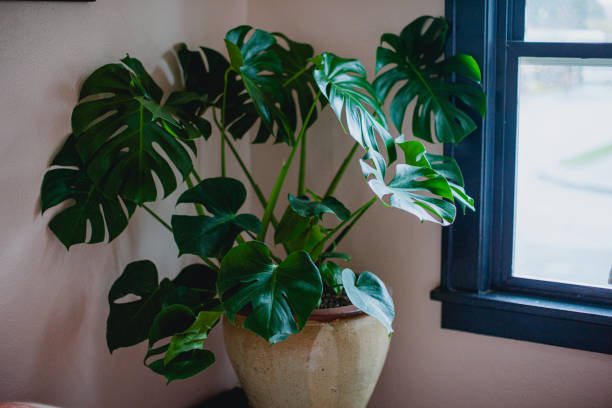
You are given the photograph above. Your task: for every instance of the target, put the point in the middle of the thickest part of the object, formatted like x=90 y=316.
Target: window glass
x=568 y=20
x=563 y=209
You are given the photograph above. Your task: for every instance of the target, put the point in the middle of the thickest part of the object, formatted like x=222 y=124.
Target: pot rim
x=334 y=313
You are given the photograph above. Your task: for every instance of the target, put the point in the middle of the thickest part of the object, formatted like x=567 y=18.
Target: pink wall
x=427 y=366
x=53 y=303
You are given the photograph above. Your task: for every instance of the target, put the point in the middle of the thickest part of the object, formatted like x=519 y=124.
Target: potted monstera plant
x=329 y=327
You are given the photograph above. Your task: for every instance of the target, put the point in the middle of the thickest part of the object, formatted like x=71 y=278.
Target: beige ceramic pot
x=334 y=362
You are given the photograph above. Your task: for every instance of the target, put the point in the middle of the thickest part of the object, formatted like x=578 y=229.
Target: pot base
x=328 y=364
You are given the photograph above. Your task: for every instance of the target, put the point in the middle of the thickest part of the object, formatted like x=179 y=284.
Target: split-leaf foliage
x=131 y=145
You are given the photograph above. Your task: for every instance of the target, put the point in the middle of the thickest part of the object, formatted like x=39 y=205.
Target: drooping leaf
x=416 y=187
x=343 y=82
x=415 y=57
x=104 y=214
x=130 y=322
x=193 y=337
x=116 y=126
x=332 y=276
x=184 y=366
x=281 y=296
x=208 y=236
x=306 y=208
x=370 y=295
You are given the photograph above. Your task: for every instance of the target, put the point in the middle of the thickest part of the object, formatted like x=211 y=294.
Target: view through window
x=563 y=208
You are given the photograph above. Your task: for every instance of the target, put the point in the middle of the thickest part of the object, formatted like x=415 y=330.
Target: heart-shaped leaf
x=213 y=236
x=116 y=125
x=344 y=84
x=415 y=56
x=370 y=295
x=89 y=203
x=281 y=296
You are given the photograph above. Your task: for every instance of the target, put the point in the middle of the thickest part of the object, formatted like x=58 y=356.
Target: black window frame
x=477 y=289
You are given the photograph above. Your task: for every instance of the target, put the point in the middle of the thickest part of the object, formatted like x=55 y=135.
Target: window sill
x=558 y=323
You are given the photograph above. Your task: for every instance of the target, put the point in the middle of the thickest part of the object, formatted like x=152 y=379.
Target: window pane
x=568 y=20
x=563 y=220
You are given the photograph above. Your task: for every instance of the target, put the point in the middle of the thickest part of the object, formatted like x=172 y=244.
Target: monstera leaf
x=89 y=203
x=208 y=236
x=416 y=59
x=370 y=295
x=281 y=296
x=344 y=84
x=116 y=125
x=131 y=322
x=259 y=68
x=296 y=78
x=417 y=187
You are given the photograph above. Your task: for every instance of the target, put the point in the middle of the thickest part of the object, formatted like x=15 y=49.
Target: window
x=533 y=262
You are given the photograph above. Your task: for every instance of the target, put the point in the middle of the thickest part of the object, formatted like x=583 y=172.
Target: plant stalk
x=278 y=185
x=223 y=135
x=346 y=229
x=157 y=217
x=336 y=180
x=198 y=206
x=356 y=215
x=302 y=173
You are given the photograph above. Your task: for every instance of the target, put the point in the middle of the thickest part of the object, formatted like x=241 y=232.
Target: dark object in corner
x=234 y=398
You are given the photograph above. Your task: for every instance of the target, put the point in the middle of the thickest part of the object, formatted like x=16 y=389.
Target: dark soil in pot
x=330 y=299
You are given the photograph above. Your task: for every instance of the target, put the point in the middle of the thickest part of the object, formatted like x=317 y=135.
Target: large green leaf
x=118 y=125
x=281 y=296
x=89 y=204
x=416 y=60
x=130 y=322
x=208 y=236
x=259 y=69
x=370 y=295
x=344 y=84
x=418 y=187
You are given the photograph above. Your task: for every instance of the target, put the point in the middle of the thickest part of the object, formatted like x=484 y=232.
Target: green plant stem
x=198 y=206
x=196 y=175
x=296 y=75
x=302 y=173
x=247 y=173
x=169 y=228
x=336 y=180
x=278 y=185
x=210 y=263
x=357 y=214
x=157 y=217
x=223 y=135
x=346 y=229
